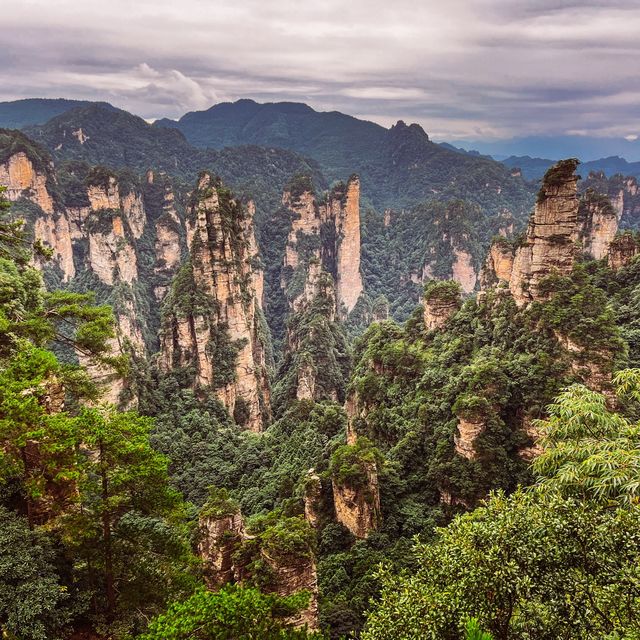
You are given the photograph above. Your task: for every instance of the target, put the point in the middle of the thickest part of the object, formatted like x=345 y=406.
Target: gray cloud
x=463 y=69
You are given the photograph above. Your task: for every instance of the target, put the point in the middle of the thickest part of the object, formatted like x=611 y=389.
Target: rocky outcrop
x=356 y=493
x=463 y=270
x=623 y=250
x=294 y=574
x=598 y=220
x=498 y=265
x=358 y=507
x=22 y=179
x=441 y=301
x=212 y=322
x=326 y=234
x=312 y=498
x=550 y=242
x=26 y=178
x=218 y=539
x=623 y=192
x=347 y=221
x=231 y=553
x=466 y=436
x=111 y=255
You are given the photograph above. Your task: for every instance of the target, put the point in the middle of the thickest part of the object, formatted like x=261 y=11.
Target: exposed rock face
x=599 y=222
x=463 y=270
x=549 y=245
x=468 y=432
x=441 y=301
x=326 y=234
x=111 y=257
x=296 y=573
x=623 y=193
x=349 y=280
x=219 y=316
x=623 y=250
x=358 y=508
x=218 y=540
x=54 y=231
x=312 y=498
x=498 y=265
x=20 y=177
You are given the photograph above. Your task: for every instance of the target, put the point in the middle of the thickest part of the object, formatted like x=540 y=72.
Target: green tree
x=233 y=612
x=33 y=602
x=131 y=527
x=589 y=451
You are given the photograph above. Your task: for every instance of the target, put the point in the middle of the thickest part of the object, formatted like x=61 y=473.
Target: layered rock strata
x=212 y=320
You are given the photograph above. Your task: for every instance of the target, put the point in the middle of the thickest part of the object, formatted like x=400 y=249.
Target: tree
x=33 y=603
x=233 y=612
x=589 y=451
x=527 y=566
x=560 y=560
x=131 y=528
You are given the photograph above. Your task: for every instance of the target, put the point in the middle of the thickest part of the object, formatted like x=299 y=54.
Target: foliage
x=590 y=452
x=34 y=605
x=233 y=612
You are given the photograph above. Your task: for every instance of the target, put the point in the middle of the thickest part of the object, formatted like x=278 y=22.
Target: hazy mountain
x=556 y=147
x=22 y=113
x=535 y=168
x=107 y=136
x=398 y=167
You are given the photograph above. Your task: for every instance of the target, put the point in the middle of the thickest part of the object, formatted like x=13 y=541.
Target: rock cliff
x=327 y=233
x=550 y=241
x=356 y=493
x=622 y=250
x=219 y=535
x=441 y=300
x=212 y=320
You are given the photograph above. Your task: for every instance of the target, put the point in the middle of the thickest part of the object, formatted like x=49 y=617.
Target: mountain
x=96 y=134
x=30 y=111
x=585 y=147
x=535 y=168
x=398 y=167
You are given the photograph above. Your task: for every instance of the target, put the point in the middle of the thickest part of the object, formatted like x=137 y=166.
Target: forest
x=204 y=437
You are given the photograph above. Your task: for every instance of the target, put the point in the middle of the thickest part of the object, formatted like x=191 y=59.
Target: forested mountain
x=235 y=381
x=399 y=166
x=30 y=111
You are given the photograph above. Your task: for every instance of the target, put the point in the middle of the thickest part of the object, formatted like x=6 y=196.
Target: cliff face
x=466 y=436
x=358 y=507
x=498 y=265
x=599 y=223
x=21 y=178
x=623 y=250
x=549 y=245
x=219 y=537
x=325 y=233
x=441 y=301
x=347 y=222
x=212 y=320
x=230 y=553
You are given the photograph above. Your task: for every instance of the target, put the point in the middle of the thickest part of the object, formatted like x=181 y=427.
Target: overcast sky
x=474 y=69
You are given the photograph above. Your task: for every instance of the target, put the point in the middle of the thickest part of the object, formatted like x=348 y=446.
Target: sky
x=463 y=69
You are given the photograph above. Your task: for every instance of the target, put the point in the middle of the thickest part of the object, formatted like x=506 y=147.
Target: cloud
x=463 y=69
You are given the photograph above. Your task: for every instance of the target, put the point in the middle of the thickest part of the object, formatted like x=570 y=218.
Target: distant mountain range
x=398 y=167
x=535 y=168
x=587 y=148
